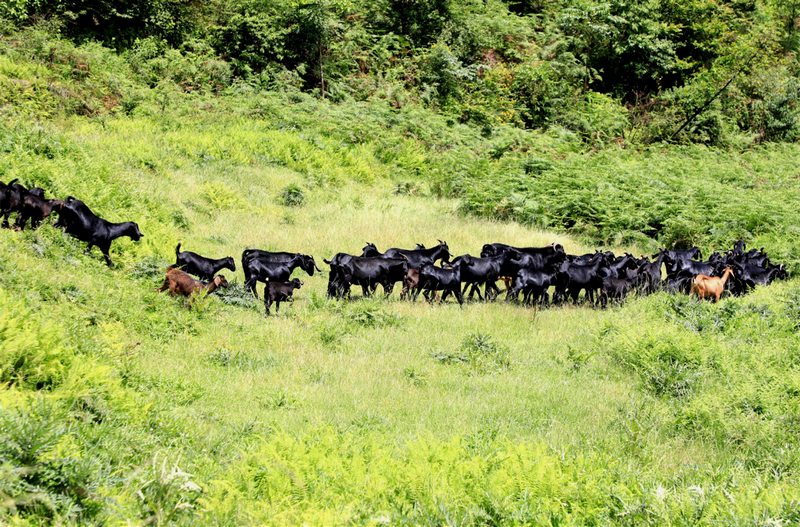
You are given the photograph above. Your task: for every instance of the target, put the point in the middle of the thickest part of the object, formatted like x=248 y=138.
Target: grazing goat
x=200 y=266
x=181 y=283
x=278 y=292
x=707 y=286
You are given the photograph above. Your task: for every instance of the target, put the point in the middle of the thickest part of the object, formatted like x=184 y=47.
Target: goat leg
x=250 y=284
x=104 y=248
x=459 y=296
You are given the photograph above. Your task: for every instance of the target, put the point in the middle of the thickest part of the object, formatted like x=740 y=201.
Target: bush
x=480 y=353
x=30 y=352
x=42 y=472
x=193 y=68
x=168 y=494
x=292 y=196
x=598 y=118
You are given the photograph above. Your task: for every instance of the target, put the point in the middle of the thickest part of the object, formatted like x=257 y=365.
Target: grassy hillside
x=122 y=405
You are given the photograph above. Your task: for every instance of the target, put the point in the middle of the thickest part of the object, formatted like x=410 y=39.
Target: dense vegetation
x=607 y=70
x=318 y=126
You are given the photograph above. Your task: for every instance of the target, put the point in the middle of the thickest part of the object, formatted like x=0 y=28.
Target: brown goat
x=409 y=283
x=707 y=286
x=37 y=210
x=181 y=283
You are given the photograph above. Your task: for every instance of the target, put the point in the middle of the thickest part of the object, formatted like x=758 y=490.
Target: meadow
x=120 y=405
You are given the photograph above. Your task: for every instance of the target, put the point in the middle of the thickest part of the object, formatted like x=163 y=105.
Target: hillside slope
x=119 y=404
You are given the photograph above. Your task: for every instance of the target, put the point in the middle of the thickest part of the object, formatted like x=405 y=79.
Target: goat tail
x=177 y=249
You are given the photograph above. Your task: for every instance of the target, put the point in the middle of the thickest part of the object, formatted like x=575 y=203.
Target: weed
x=415 y=377
x=167 y=494
x=480 y=353
x=292 y=196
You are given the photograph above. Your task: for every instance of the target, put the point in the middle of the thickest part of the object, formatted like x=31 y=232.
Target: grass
x=376 y=411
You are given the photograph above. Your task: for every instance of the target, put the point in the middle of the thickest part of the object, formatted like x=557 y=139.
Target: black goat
x=419 y=257
x=366 y=271
x=81 y=223
x=263 y=271
x=432 y=279
x=249 y=256
x=533 y=285
x=615 y=289
x=277 y=292
x=480 y=271
x=573 y=277
x=200 y=266
x=11 y=197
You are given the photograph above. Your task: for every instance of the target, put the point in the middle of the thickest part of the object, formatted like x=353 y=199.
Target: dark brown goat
x=36 y=209
x=277 y=292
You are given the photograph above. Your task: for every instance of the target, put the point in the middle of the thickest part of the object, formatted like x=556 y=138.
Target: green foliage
x=167 y=493
x=370 y=315
x=537 y=64
x=700 y=364
x=292 y=196
x=194 y=67
x=44 y=474
x=623 y=196
x=117 y=25
x=480 y=353
x=598 y=118
x=30 y=352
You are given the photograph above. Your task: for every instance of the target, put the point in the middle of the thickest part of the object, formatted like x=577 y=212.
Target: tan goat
x=707 y=286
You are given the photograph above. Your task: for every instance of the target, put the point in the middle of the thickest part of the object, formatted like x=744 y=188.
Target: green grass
x=119 y=404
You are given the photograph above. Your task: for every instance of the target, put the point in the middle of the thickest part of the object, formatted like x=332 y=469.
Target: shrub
x=598 y=118
x=480 y=353
x=292 y=196
x=370 y=315
x=42 y=472
x=167 y=494
x=30 y=352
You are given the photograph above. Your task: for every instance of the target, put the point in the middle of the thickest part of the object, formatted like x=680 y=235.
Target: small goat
x=278 y=292
x=36 y=209
x=707 y=286
x=180 y=283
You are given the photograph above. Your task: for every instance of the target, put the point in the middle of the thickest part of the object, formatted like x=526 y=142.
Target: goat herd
x=528 y=271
